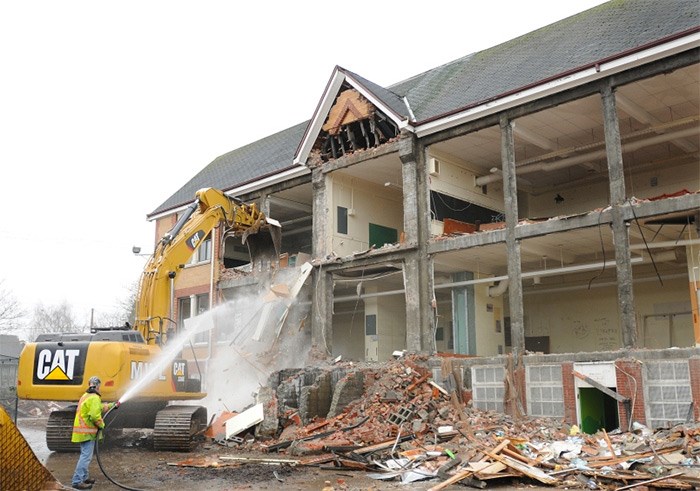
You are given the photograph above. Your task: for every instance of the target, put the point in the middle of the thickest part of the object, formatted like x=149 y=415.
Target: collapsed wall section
x=605 y=390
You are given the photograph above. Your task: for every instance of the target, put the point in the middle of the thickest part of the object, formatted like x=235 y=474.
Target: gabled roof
x=383 y=99
x=611 y=30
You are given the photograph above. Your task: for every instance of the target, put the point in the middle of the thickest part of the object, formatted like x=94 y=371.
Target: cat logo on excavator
x=194 y=239
x=59 y=365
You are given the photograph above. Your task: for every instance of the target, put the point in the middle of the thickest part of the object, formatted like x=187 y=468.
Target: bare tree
x=53 y=318
x=125 y=311
x=11 y=312
x=128 y=304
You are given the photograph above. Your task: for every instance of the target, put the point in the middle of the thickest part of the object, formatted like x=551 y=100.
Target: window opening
x=342 y=220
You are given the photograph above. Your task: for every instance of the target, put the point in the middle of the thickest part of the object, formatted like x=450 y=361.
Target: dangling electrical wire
x=646 y=246
x=602 y=247
x=357 y=302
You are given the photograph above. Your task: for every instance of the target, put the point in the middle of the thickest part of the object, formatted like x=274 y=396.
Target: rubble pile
x=408 y=427
x=35 y=409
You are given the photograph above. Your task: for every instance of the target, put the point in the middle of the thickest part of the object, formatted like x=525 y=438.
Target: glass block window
x=668 y=393
x=488 y=388
x=545 y=393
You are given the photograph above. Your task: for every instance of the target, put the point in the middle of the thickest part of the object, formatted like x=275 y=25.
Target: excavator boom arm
x=210 y=209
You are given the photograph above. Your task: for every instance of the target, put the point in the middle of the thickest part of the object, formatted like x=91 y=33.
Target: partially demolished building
x=531 y=209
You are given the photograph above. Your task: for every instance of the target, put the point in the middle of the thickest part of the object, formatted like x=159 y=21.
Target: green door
x=598 y=411
x=380 y=235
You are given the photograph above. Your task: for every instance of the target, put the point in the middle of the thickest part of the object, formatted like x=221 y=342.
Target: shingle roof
x=391 y=99
x=574 y=42
x=577 y=41
x=256 y=160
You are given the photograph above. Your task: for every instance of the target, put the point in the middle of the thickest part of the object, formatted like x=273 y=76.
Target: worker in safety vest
x=88 y=420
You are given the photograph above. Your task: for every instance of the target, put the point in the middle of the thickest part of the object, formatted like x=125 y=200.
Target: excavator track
x=59 y=430
x=176 y=427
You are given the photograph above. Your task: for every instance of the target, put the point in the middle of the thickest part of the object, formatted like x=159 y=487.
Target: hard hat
x=94 y=381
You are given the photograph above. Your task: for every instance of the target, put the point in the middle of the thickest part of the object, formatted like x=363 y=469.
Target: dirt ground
x=130 y=461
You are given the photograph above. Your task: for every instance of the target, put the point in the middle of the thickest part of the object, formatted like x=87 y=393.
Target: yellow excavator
x=56 y=367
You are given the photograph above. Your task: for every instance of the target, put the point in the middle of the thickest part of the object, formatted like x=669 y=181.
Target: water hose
x=99 y=462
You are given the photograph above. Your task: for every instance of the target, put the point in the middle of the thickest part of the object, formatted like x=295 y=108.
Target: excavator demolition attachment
x=19 y=467
x=264 y=242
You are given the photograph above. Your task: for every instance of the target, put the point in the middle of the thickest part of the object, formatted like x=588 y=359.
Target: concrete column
x=515 y=287
x=322 y=295
x=265 y=204
x=693 y=261
x=613 y=147
x=463 y=315
x=322 y=312
x=418 y=266
x=411 y=198
x=320 y=207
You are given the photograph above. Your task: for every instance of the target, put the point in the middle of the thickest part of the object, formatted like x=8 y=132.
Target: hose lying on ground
x=99 y=462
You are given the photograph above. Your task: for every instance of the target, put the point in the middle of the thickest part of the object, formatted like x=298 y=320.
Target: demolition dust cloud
x=250 y=336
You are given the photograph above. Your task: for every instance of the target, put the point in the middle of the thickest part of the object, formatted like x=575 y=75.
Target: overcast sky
x=108 y=108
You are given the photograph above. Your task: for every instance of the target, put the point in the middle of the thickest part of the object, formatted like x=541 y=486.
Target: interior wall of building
x=456 y=178
x=489 y=321
x=348 y=334
x=350 y=337
x=391 y=325
x=650 y=183
x=453 y=177
x=658 y=181
x=443 y=335
x=578 y=199
x=587 y=320
x=366 y=203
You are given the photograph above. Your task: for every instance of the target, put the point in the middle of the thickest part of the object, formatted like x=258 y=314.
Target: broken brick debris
x=406 y=426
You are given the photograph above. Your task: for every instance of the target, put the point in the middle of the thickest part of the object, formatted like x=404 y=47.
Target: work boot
x=89 y=481
x=82 y=485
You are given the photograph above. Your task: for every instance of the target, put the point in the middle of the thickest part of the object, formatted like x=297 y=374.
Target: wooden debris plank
x=490 y=468
x=383 y=445
x=533 y=472
x=440 y=389
x=321 y=459
x=316 y=426
x=593 y=383
x=352 y=464
x=500 y=475
x=202 y=463
x=610 y=445
x=468 y=472
x=519 y=456
x=644 y=483
x=418 y=382
x=257 y=460
x=459 y=409
x=496 y=450
x=618 y=475
x=455 y=478
x=625 y=458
